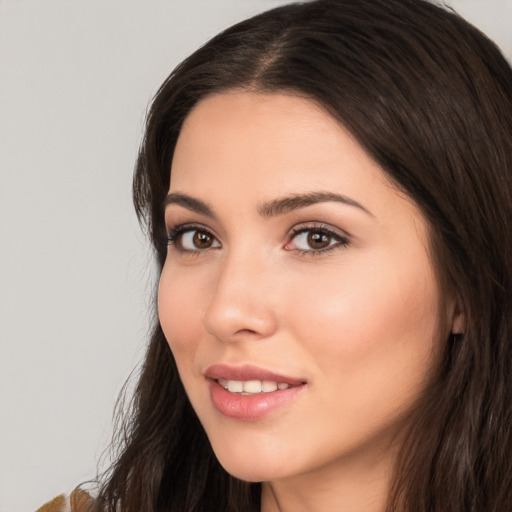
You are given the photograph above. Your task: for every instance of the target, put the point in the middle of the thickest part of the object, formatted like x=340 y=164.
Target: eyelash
x=175 y=234
x=341 y=241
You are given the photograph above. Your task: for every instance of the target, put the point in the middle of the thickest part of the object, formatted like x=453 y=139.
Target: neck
x=346 y=486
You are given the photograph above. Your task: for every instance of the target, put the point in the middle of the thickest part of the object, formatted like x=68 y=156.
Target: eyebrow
x=270 y=208
x=190 y=203
x=296 y=201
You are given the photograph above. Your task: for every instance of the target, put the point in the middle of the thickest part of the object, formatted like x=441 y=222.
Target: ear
x=458 y=318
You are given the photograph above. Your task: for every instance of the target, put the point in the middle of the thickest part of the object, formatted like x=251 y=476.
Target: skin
x=361 y=320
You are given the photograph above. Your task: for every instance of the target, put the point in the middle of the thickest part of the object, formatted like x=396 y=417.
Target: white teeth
x=267 y=386
x=235 y=386
x=252 y=387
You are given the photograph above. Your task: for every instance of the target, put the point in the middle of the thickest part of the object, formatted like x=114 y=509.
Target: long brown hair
x=430 y=99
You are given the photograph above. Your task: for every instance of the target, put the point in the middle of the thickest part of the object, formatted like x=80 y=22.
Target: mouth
x=253 y=387
x=248 y=392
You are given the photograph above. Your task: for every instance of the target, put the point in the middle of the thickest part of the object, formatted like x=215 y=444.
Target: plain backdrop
x=76 y=278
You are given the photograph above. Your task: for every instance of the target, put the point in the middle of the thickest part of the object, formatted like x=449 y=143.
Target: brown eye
x=315 y=240
x=318 y=240
x=192 y=240
x=202 y=240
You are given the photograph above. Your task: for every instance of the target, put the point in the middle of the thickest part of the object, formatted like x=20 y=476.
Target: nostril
x=247 y=332
x=237 y=324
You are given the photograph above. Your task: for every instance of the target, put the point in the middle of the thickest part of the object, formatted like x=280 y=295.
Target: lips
x=246 y=373
x=248 y=392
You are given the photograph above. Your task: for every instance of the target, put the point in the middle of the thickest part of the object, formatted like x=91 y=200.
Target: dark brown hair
x=430 y=99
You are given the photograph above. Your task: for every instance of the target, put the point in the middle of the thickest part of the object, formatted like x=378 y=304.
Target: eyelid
x=342 y=237
x=173 y=233
x=176 y=229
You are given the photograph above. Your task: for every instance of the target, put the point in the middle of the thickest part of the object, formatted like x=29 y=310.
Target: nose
x=242 y=302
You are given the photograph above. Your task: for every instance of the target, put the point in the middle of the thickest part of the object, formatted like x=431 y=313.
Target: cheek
x=178 y=312
x=370 y=327
x=377 y=291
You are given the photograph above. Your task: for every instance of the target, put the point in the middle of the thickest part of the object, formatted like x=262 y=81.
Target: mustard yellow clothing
x=78 y=501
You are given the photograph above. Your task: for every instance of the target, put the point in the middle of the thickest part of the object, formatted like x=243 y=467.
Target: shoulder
x=77 y=501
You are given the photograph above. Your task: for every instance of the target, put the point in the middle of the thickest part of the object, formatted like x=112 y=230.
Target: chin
x=250 y=473
x=252 y=465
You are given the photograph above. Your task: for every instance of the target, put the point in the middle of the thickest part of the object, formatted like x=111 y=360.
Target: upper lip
x=247 y=372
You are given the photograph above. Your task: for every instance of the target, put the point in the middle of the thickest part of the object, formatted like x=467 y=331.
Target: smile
x=249 y=393
x=252 y=387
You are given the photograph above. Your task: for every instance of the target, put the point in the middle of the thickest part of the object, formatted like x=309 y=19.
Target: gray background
x=75 y=272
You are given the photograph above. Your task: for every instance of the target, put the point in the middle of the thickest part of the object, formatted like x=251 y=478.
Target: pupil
x=318 y=240
x=202 y=240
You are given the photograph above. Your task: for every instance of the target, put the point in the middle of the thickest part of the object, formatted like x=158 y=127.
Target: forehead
x=249 y=137
x=243 y=145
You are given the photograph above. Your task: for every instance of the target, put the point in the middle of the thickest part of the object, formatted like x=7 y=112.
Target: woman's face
x=298 y=296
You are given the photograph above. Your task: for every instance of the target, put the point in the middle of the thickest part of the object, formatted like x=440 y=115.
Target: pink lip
x=247 y=372
x=249 y=407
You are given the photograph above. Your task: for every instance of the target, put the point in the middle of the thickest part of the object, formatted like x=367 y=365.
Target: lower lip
x=250 y=407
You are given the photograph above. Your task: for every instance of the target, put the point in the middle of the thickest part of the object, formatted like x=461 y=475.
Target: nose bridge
x=240 y=304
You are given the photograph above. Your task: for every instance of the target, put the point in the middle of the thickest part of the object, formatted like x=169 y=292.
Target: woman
x=327 y=187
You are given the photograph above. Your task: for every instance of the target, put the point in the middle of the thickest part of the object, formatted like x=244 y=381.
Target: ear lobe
x=458 y=319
